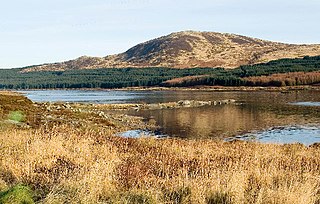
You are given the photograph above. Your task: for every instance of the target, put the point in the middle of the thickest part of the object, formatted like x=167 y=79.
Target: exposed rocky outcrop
x=190 y=49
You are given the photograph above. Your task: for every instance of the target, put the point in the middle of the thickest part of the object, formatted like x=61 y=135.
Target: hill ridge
x=190 y=49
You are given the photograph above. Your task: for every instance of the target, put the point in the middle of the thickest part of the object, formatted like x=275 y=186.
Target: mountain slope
x=190 y=49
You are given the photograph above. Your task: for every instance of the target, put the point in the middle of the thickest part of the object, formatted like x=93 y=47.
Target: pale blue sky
x=41 y=31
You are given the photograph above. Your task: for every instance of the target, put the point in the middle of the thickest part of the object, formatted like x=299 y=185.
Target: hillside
x=190 y=49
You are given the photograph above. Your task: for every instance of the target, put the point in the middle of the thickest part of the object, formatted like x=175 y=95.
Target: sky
x=44 y=31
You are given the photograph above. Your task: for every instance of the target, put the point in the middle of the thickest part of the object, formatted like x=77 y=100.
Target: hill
x=190 y=49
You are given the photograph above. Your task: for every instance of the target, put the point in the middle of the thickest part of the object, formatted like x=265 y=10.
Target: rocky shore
x=155 y=106
x=88 y=115
x=111 y=117
x=18 y=111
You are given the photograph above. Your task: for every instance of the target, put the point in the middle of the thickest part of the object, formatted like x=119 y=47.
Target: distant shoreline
x=195 y=88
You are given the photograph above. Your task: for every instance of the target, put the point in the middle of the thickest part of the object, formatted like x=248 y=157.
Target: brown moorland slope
x=189 y=49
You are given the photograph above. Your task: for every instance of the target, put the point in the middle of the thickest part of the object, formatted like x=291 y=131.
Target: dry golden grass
x=68 y=161
x=64 y=165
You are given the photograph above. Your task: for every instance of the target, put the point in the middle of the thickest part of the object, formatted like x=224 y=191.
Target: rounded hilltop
x=189 y=49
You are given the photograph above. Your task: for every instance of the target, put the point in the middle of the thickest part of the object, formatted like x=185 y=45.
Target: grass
x=64 y=164
x=18 y=108
x=16 y=116
x=219 y=198
x=17 y=194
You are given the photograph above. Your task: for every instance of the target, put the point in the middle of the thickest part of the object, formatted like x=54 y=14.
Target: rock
x=315 y=145
x=184 y=103
x=153 y=106
x=67 y=106
x=225 y=101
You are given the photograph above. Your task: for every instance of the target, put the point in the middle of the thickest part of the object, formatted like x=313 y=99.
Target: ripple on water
x=306 y=103
x=306 y=135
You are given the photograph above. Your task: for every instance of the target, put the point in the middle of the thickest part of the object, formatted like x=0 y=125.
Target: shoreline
x=70 y=153
x=115 y=117
x=195 y=88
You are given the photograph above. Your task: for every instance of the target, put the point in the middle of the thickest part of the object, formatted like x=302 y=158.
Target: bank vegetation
x=68 y=162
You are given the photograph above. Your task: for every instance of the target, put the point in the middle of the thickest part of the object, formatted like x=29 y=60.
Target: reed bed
x=66 y=165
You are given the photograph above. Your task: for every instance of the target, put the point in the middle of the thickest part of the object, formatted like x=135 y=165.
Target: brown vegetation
x=182 y=81
x=11 y=103
x=88 y=164
x=285 y=79
x=64 y=165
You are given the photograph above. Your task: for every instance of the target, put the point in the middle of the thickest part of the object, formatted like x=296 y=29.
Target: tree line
x=301 y=71
x=130 y=77
x=284 y=79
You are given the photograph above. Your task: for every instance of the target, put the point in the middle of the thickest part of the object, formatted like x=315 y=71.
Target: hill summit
x=189 y=49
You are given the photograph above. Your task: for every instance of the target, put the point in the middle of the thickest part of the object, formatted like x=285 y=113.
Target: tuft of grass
x=17 y=194
x=219 y=198
x=17 y=116
x=136 y=198
x=182 y=195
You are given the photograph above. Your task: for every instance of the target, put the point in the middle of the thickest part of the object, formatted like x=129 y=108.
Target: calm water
x=81 y=96
x=264 y=116
x=306 y=134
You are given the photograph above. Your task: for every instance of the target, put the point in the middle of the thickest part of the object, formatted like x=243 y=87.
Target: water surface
x=256 y=111
x=81 y=96
x=306 y=103
x=304 y=134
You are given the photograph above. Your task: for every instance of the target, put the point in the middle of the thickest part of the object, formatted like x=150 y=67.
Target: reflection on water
x=257 y=110
x=210 y=121
x=225 y=121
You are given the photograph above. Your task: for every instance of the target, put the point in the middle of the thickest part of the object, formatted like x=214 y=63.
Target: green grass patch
x=17 y=116
x=17 y=194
